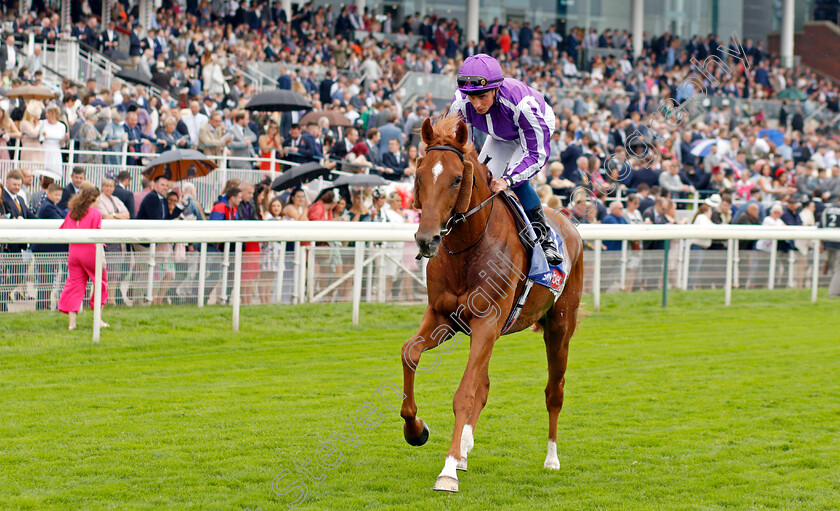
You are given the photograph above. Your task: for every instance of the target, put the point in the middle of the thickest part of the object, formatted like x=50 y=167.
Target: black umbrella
x=278 y=100
x=367 y=180
x=179 y=164
x=299 y=175
x=135 y=76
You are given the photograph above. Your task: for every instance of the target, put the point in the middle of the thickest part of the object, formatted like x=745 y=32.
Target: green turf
x=695 y=407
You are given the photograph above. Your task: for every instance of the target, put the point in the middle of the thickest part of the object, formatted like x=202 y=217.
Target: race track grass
x=694 y=407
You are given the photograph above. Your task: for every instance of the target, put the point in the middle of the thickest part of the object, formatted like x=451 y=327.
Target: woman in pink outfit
x=84 y=214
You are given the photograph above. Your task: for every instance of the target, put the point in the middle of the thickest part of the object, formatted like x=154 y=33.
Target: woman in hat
x=30 y=128
x=519 y=124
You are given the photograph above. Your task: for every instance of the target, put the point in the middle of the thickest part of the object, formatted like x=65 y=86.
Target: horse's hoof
x=552 y=464
x=446 y=483
x=418 y=440
x=462 y=464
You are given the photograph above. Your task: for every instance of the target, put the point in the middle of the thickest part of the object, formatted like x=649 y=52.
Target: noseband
x=457 y=217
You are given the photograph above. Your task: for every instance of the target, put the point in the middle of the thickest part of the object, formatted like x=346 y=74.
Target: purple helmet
x=479 y=73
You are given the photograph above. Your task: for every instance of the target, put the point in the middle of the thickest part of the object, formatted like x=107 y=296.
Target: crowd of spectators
x=603 y=100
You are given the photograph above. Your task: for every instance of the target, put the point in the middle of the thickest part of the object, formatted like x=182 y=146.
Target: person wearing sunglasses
x=519 y=124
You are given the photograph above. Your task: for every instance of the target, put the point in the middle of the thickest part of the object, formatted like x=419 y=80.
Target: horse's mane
x=444 y=134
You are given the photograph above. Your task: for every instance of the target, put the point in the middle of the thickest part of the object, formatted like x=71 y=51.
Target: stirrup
x=552 y=255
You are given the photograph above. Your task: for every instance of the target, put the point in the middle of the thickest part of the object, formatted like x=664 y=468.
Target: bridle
x=458 y=217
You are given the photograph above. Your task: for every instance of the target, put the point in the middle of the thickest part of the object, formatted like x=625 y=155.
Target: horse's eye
x=457 y=181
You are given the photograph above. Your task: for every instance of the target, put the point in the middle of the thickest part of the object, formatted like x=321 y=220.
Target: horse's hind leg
x=559 y=327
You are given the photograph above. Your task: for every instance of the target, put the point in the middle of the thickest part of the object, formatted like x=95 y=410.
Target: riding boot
x=538 y=221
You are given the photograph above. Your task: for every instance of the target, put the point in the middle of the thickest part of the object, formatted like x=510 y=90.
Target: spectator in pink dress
x=82 y=258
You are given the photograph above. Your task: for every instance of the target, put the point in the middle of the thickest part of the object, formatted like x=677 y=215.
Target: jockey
x=519 y=125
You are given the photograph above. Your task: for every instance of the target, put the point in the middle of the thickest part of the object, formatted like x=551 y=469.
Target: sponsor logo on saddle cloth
x=552 y=277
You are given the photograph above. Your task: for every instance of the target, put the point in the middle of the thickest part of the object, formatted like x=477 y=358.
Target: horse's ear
x=427 y=132
x=465 y=192
x=462 y=134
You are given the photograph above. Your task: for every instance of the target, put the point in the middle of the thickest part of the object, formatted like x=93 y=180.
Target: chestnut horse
x=474 y=283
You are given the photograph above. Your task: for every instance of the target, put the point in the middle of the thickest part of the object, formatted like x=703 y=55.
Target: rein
x=457 y=217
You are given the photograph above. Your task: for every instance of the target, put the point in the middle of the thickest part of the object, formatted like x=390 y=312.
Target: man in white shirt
x=194 y=121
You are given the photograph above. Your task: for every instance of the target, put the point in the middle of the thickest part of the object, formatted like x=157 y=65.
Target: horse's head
x=444 y=180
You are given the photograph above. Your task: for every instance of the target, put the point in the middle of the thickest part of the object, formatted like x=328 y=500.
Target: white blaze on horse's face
x=437 y=170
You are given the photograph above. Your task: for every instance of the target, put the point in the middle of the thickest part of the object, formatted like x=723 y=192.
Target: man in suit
x=394 y=161
x=123 y=194
x=340 y=149
x=12 y=274
x=154 y=205
x=313 y=136
x=109 y=38
x=387 y=132
x=372 y=141
x=77 y=177
x=212 y=138
x=569 y=158
x=298 y=149
x=8 y=54
x=135 y=45
x=135 y=137
x=242 y=141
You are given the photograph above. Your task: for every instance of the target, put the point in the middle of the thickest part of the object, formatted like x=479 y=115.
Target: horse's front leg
x=434 y=330
x=483 y=337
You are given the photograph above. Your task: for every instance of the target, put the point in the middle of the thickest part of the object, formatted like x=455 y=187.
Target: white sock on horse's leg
x=551 y=459
x=449 y=468
x=467 y=443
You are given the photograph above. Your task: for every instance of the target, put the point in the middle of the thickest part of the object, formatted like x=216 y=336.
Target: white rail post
x=772 y=277
x=680 y=270
x=596 y=276
x=225 y=266
x=730 y=255
x=357 y=279
x=380 y=284
x=791 y=260
x=310 y=273
x=150 y=284
x=736 y=274
x=815 y=272
x=237 y=283
x=686 y=264
x=280 y=273
x=273 y=163
x=369 y=290
x=622 y=278
x=202 y=270
x=296 y=288
x=97 y=291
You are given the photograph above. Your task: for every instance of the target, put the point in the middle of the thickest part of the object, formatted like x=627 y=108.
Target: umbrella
x=179 y=164
x=792 y=93
x=775 y=136
x=299 y=174
x=367 y=180
x=704 y=147
x=135 y=76
x=31 y=92
x=52 y=174
x=278 y=100
x=335 y=117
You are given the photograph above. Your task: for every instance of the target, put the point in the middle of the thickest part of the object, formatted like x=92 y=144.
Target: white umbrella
x=52 y=174
x=704 y=147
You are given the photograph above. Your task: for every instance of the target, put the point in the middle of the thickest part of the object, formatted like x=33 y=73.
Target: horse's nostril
x=435 y=240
